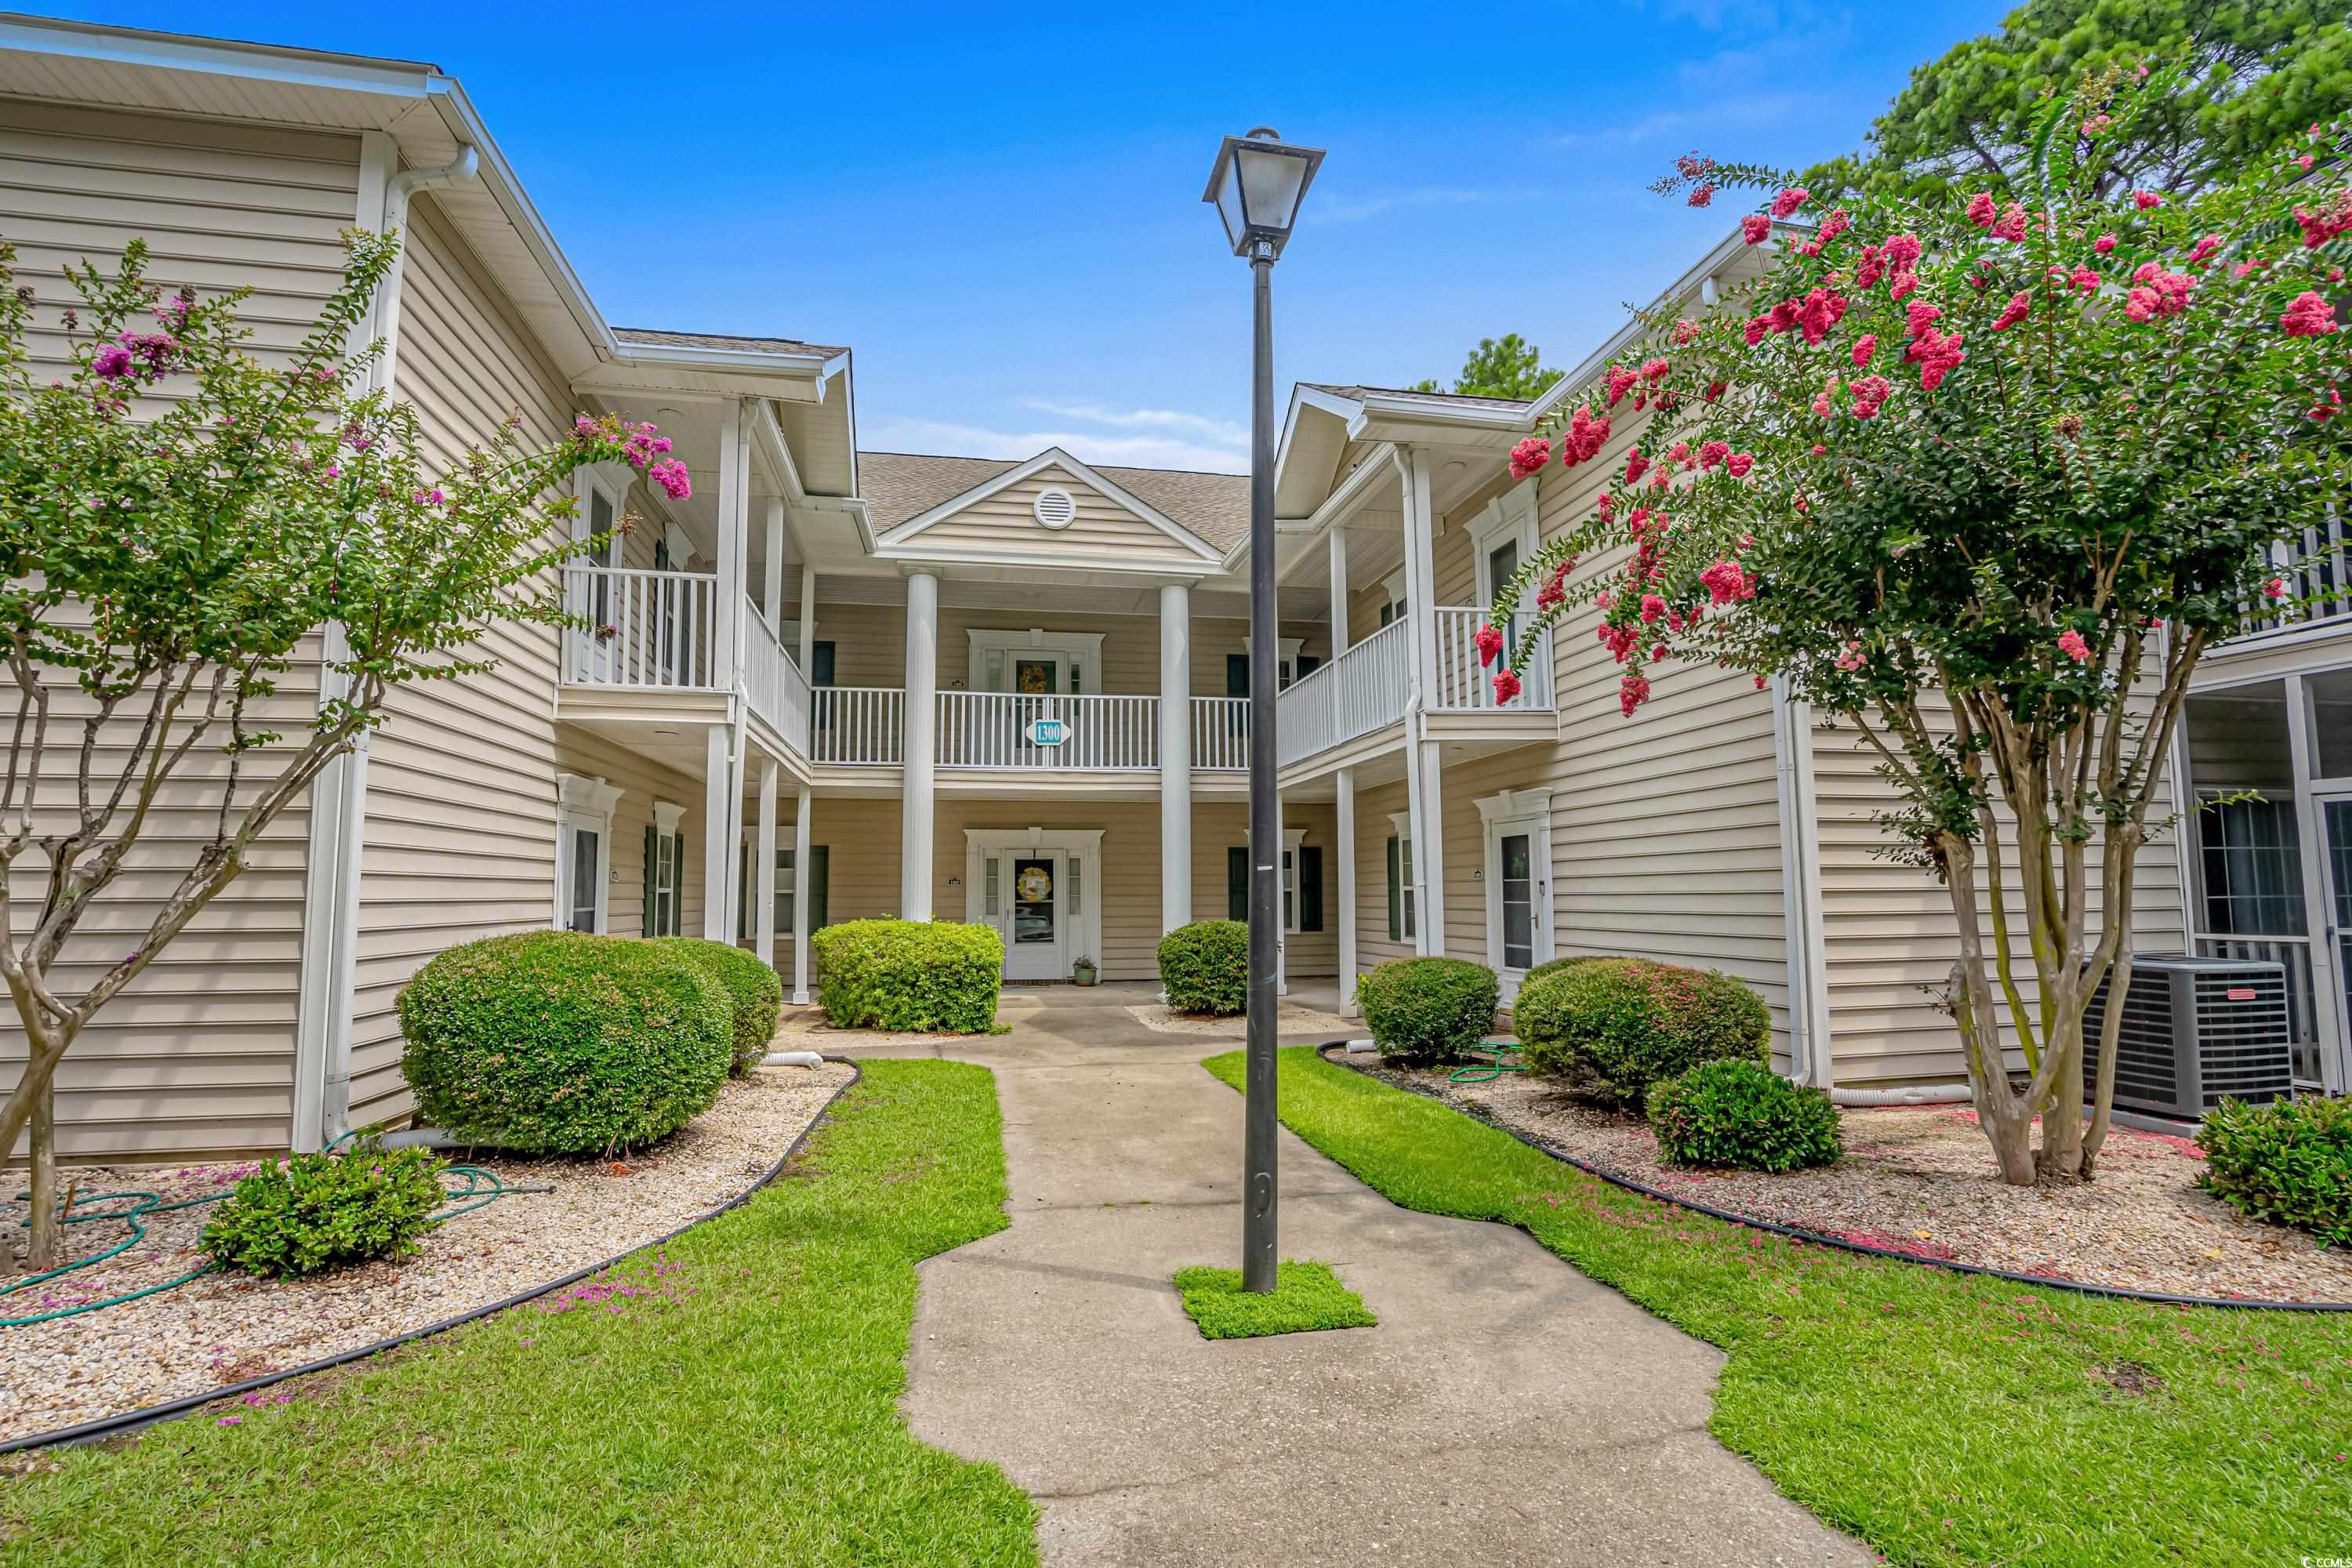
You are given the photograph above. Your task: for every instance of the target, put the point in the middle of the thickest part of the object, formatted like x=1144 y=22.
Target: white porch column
x=764 y=868
x=726 y=636
x=1175 y=756
x=915 y=799
x=801 y=896
x=1339 y=589
x=722 y=831
x=1346 y=784
x=1283 y=876
x=771 y=585
x=1422 y=764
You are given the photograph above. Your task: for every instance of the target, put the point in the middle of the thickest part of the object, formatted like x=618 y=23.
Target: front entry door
x=2335 y=843
x=1031 y=890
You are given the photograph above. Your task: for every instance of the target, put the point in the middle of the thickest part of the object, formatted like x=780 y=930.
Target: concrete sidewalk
x=1506 y=1410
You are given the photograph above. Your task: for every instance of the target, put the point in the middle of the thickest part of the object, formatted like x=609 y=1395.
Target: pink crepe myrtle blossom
x=1836 y=223
x=2275 y=589
x=1789 y=199
x=1490 y=643
x=1506 y=686
x=1871 y=268
x=1918 y=313
x=2310 y=316
x=1632 y=693
x=1738 y=463
x=1702 y=193
x=2201 y=249
x=1584 y=437
x=1904 y=283
x=1758 y=328
x=2019 y=307
x=1981 y=210
x=2326 y=223
x=1849 y=657
x=2083 y=279
x=1693 y=164
x=1530 y=456
x=1620 y=381
x=2012 y=224
x=1728 y=582
x=1864 y=347
x=672 y=476
x=2070 y=644
x=111 y=362
x=1938 y=355
x=2103 y=244
x=1652 y=606
x=1820 y=310
x=2143 y=200
x=1870 y=394
x=1686 y=331
x=1712 y=453
x=1755 y=228
x=1903 y=251
x=1636 y=465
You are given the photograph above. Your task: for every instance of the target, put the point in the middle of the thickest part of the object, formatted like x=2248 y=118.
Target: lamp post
x=1256 y=186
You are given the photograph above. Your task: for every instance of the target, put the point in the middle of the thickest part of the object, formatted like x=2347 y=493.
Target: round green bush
x=1204 y=967
x=1740 y=1114
x=1616 y=1026
x=558 y=1043
x=925 y=975
x=2289 y=1162
x=299 y=1216
x=1424 y=1011
x=753 y=989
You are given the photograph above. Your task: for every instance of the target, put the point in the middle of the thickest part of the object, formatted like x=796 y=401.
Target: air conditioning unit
x=2195 y=1031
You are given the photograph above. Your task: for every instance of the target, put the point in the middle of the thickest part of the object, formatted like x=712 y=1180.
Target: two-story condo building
x=837 y=683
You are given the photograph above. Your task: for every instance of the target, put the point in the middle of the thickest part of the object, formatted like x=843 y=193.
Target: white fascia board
x=211 y=57
x=805 y=367
x=917 y=554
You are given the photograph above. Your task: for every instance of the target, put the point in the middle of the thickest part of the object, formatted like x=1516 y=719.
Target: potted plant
x=1083 y=971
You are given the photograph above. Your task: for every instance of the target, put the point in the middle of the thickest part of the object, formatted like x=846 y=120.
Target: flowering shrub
x=1613 y=1027
x=1740 y=1113
x=1204 y=967
x=909 y=974
x=2289 y=1162
x=755 y=994
x=1428 y=1010
x=306 y=1213
x=1980 y=479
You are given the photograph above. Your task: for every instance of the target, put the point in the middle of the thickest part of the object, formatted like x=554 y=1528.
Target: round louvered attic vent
x=1056 y=509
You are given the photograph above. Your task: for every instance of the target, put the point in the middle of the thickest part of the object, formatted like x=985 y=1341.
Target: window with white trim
x=583 y=852
x=1400 y=889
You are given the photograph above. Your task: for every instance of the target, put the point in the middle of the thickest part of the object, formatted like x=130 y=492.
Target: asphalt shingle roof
x=1442 y=399
x=902 y=485
x=659 y=339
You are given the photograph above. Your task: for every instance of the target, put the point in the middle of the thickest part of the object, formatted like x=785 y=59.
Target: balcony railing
x=863 y=726
x=1363 y=689
x=1221 y=733
x=1464 y=684
x=772 y=684
x=2318 y=568
x=993 y=729
x=645 y=628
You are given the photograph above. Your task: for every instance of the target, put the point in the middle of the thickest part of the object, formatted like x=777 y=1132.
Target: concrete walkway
x=1506 y=1411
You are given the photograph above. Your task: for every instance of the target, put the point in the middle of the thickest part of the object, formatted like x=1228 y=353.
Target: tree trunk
x=2061 y=1116
x=44 y=1251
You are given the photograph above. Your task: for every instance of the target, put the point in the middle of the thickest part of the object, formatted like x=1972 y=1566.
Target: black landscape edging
x=1797 y=1233
x=133 y=1420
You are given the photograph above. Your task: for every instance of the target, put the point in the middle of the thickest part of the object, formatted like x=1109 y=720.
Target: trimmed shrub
x=1616 y=1026
x=1556 y=967
x=1424 y=1011
x=909 y=974
x=311 y=1212
x=558 y=1043
x=1740 y=1113
x=753 y=990
x=2289 y=1162
x=1204 y=967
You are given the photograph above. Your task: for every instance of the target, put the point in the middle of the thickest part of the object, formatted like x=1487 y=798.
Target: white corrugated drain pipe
x=1911 y=1094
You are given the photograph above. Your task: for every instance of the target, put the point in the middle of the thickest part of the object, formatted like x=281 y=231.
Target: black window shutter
x=820 y=663
x=1310 y=887
x=1396 y=895
x=678 y=898
x=745 y=888
x=818 y=869
x=1308 y=665
x=645 y=924
x=1238 y=677
x=1237 y=882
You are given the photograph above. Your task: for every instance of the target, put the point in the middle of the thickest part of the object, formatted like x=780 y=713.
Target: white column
x=1175 y=756
x=1346 y=875
x=1339 y=589
x=2327 y=986
x=801 y=896
x=1422 y=764
x=763 y=869
x=771 y=585
x=1283 y=876
x=915 y=799
x=726 y=635
x=808 y=618
x=720 y=833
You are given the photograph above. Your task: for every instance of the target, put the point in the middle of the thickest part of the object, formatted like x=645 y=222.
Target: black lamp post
x=1256 y=186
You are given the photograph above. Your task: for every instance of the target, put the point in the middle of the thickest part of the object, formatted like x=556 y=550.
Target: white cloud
x=1746 y=109
x=1141 y=451
x=1223 y=431
x=1372 y=204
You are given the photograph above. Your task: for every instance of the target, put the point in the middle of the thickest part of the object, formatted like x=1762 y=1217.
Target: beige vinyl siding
x=1220 y=826
x=461 y=810
x=642 y=782
x=1006 y=521
x=1374 y=808
x=197 y=1056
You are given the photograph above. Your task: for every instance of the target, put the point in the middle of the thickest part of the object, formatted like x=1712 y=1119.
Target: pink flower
x=2309 y=316
x=2103 y=244
x=1836 y=223
x=2141 y=304
x=2011 y=225
x=2083 y=279
x=2319 y=227
x=1790 y=200
x=1818 y=313
x=1981 y=210
x=672 y=476
x=1758 y=328
x=1904 y=283
x=1490 y=643
x=1903 y=252
x=1726 y=581
x=2203 y=249
x=2275 y=589
x=1870 y=394
x=1584 y=437
x=1652 y=606
x=1738 y=463
x=1636 y=465
x=1702 y=193
x=2070 y=644
x=2147 y=199
x=1530 y=456
x=1632 y=693
x=1849 y=657
x=1871 y=268
x=111 y=361
x=1620 y=381
x=1506 y=686
x=1756 y=227
x=1864 y=347
x=2014 y=311
x=1918 y=314
x=1711 y=453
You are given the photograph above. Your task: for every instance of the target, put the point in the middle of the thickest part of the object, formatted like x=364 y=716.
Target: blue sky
x=998 y=207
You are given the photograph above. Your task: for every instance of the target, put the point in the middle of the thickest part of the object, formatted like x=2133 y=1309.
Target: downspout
x=338 y=798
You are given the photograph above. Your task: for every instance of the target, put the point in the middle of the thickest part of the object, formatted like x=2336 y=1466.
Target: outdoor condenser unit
x=2194 y=1031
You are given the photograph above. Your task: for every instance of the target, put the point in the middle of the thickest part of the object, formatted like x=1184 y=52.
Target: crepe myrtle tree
x=178 y=521
x=1982 y=479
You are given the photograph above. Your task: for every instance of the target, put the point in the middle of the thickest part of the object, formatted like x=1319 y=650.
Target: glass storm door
x=2336 y=815
x=1517 y=858
x=1030 y=903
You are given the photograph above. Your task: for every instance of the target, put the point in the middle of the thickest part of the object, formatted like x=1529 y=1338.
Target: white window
x=1517 y=873
x=583 y=852
x=667 y=873
x=1502 y=540
x=1401 y=887
x=1291 y=837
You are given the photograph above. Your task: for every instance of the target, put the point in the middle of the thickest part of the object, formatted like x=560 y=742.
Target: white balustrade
x=1464 y=684
x=2318 y=568
x=645 y=628
x=772 y=684
x=1362 y=689
x=1221 y=733
x=859 y=726
x=991 y=729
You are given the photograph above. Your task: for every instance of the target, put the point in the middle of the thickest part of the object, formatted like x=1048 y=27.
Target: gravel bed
x=1294 y=1019
x=809 y=1029
x=1921 y=1179
x=224 y=1328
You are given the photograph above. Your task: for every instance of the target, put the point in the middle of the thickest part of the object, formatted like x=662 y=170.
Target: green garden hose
x=1490 y=1065
x=480 y=1187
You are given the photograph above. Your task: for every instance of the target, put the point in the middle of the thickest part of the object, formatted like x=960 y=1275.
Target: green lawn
x=1306 y=1297
x=1940 y=1418
x=739 y=1408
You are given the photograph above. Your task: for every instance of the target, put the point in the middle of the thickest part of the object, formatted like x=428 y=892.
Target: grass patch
x=1943 y=1420
x=1306 y=1296
x=732 y=1399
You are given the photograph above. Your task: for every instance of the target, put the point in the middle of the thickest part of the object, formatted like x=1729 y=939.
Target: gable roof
x=900 y=486
x=657 y=338
x=1434 y=399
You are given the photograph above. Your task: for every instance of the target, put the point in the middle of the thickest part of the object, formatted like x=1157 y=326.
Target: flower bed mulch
x=1921 y=1179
